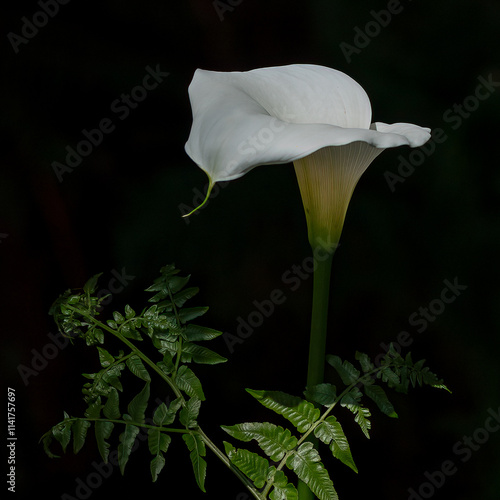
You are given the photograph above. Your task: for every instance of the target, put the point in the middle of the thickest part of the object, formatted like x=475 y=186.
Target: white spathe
x=314 y=116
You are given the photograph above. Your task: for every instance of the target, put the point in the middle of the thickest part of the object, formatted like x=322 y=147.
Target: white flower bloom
x=314 y=116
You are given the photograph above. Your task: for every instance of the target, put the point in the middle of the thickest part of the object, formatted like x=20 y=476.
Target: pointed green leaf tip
x=209 y=192
x=299 y=412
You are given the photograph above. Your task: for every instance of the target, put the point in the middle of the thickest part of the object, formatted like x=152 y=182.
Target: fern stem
x=249 y=485
x=131 y=346
x=131 y=422
x=179 y=324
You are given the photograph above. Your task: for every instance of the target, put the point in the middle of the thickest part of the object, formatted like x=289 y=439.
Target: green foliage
x=305 y=462
x=299 y=412
x=272 y=439
x=282 y=489
x=297 y=452
x=196 y=446
x=252 y=465
x=119 y=411
x=188 y=382
x=168 y=326
x=103 y=430
x=127 y=439
x=330 y=432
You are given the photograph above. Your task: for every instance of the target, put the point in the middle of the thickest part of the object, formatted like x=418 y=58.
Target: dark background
x=119 y=209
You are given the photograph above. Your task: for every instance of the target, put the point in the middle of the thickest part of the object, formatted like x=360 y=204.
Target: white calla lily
x=317 y=117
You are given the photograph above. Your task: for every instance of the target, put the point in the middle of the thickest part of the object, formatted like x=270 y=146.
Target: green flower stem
x=317 y=342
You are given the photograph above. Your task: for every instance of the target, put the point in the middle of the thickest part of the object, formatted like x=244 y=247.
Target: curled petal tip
x=209 y=191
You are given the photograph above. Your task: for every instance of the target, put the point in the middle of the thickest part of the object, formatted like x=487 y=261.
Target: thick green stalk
x=317 y=342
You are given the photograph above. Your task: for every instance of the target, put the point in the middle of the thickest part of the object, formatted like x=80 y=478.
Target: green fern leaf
x=156 y=466
x=377 y=394
x=191 y=313
x=361 y=417
x=111 y=409
x=282 y=489
x=189 y=413
x=160 y=414
x=91 y=285
x=348 y=373
x=188 y=382
x=272 y=439
x=182 y=297
x=177 y=283
x=118 y=317
x=167 y=284
x=127 y=439
x=389 y=376
x=112 y=376
x=137 y=407
x=324 y=394
x=429 y=378
x=80 y=428
x=46 y=440
x=105 y=358
x=94 y=409
x=364 y=361
x=305 y=462
x=331 y=433
x=103 y=431
x=167 y=364
x=441 y=386
x=173 y=408
x=62 y=432
x=202 y=355
x=129 y=331
x=129 y=312
x=197 y=448
x=158 y=441
x=353 y=397
x=136 y=366
x=298 y=411
x=195 y=333
x=255 y=467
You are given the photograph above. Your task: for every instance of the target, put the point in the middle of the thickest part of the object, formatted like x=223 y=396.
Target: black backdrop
x=118 y=211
